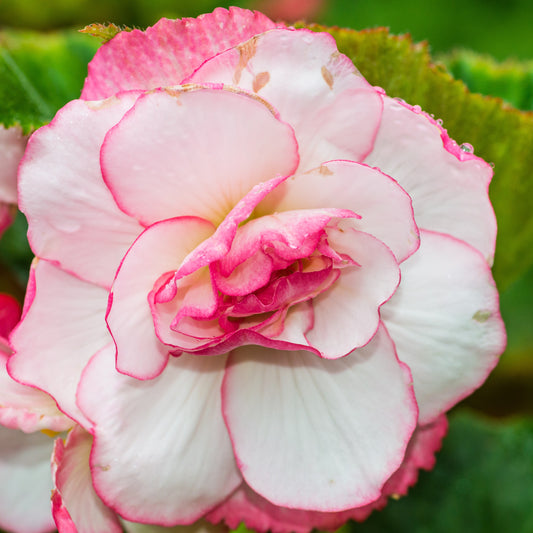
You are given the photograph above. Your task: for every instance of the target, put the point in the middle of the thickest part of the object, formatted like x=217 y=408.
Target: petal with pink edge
x=26 y=408
x=248 y=507
x=194 y=152
x=384 y=208
x=166 y=53
x=62 y=329
x=160 y=249
x=26 y=482
x=173 y=420
x=75 y=505
x=326 y=435
x=449 y=188
x=346 y=315
x=332 y=108
x=72 y=217
x=445 y=321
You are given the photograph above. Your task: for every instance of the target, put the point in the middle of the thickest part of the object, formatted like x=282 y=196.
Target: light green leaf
x=500 y=133
x=104 y=32
x=39 y=73
x=511 y=80
x=482 y=483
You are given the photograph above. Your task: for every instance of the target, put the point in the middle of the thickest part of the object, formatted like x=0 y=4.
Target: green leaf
x=511 y=80
x=482 y=483
x=104 y=32
x=500 y=133
x=39 y=73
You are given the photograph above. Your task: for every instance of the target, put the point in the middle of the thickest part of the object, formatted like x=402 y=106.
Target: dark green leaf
x=482 y=483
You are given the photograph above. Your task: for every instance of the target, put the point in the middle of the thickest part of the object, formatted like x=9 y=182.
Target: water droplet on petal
x=468 y=148
x=491 y=164
x=440 y=121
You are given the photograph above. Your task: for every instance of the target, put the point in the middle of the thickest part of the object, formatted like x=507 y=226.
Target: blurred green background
x=484 y=478
x=501 y=28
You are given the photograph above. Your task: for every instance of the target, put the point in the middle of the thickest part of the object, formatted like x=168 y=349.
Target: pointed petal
x=346 y=315
x=161 y=452
x=61 y=330
x=72 y=217
x=332 y=108
x=159 y=249
x=449 y=188
x=326 y=435
x=384 y=207
x=26 y=482
x=445 y=322
x=167 y=136
x=75 y=505
x=166 y=53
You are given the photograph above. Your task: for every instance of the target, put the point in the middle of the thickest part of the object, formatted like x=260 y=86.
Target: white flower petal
x=310 y=433
x=445 y=322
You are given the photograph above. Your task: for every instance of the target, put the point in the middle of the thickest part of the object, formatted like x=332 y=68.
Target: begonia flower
x=261 y=282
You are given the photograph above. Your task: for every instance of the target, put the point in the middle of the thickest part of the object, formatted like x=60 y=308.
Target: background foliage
x=483 y=480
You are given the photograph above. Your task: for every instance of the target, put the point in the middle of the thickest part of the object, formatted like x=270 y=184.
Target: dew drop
x=440 y=121
x=468 y=148
x=491 y=164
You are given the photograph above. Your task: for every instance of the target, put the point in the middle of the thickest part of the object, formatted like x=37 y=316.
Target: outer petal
x=26 y=408
x=75 y=506
x=160 y=249
x=62 y=328
x=26 y=482
x=161 y=452
x=385 y=209
x=12 y=145
x=449 y=188
x=194 y=153
x=318 y=91
x=258 y=514
x=326 y=435
x=445 y=322
x=346 y=315
x=72 y=217
x=166 y=53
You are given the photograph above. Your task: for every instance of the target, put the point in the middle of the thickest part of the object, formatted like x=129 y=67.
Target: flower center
x=252 y=288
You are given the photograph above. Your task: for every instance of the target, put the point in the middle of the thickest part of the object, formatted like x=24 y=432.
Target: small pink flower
x=261 y=281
